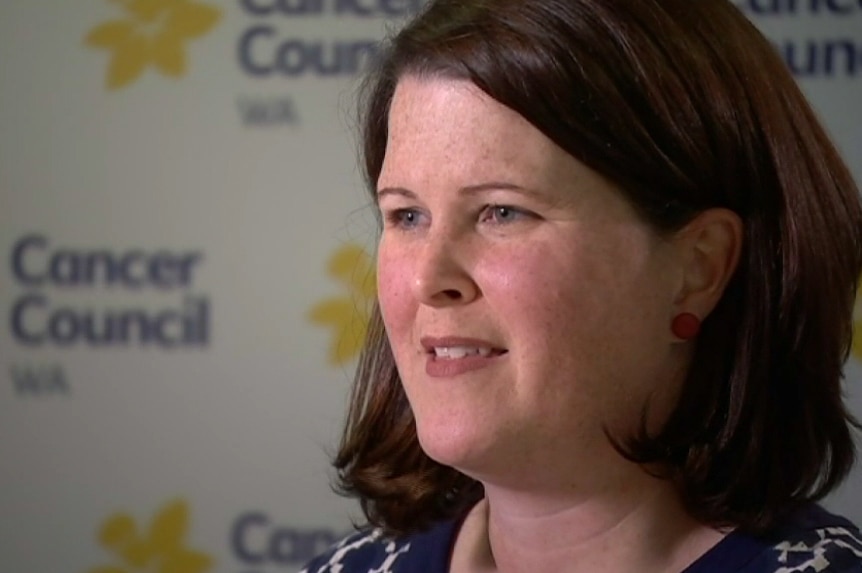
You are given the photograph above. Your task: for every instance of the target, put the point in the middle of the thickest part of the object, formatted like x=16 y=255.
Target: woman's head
x=682 y=109
x=526 y=302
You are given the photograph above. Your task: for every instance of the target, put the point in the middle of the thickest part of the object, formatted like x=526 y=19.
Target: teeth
x=455 y=352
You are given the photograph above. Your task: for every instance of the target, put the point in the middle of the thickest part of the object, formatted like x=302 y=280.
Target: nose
x=441 y=276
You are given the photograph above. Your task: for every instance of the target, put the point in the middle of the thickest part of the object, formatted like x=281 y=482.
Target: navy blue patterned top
x=814 y=541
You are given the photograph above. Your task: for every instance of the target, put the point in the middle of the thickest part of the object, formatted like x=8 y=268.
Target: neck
x=642 y=527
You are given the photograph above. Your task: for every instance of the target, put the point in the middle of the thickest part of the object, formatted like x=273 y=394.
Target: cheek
x=534 y=281
x=393 y=283
x=551 y=294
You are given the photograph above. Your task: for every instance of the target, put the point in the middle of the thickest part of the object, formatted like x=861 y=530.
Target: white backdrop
x=182 y=231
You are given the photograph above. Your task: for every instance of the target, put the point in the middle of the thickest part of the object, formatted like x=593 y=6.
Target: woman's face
x=527 y=305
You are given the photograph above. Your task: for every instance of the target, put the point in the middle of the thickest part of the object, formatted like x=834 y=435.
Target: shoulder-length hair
x=685 y=106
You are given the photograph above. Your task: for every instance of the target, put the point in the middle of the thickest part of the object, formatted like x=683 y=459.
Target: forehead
x=441 y=126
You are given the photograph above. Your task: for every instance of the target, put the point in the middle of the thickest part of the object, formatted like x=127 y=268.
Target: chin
x=462 y=448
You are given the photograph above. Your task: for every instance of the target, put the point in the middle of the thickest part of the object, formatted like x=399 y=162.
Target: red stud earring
x=685 y=326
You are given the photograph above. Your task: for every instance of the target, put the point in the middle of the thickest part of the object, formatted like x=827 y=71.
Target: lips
x=450 y=356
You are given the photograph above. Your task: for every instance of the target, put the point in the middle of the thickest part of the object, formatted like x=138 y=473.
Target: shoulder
x=815 y=541
x=360 y=552
x=836 y=549
x=811 y=540
x=370 y=551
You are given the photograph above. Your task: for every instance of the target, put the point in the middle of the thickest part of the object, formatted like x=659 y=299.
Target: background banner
x=186 y=269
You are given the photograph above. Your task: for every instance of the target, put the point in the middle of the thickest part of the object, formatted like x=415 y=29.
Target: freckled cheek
x=528 y=281
x=397 y=305
x=538 y=295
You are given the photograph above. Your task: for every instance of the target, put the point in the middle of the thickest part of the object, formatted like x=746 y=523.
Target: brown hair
x=685 y=106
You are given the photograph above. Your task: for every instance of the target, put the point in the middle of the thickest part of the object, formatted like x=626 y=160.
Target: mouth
x=457 y=348
x=459 y=352
x=451 y=357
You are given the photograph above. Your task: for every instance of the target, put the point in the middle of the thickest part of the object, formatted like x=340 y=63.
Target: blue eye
x=501 y=214
x=504 y=213
x=403 y=218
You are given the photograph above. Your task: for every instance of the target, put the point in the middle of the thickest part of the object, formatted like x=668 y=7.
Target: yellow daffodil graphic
x=161 y=549
x=153 y=33
x=347 y=315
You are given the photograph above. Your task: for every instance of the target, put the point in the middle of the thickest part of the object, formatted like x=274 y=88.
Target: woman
x=616 y=275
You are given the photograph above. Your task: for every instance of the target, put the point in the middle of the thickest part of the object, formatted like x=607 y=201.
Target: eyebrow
x=468 y=190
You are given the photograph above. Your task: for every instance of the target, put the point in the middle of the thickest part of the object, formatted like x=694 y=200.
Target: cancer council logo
x=159 y=548
x=152 y=33
x=347 y=315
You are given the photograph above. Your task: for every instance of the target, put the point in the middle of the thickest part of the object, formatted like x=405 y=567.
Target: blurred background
x=186 y=269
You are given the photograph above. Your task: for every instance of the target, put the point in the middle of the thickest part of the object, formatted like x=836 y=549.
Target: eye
x=406 y=218
x=502 y=214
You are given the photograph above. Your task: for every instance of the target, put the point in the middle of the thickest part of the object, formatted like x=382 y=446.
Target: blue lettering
x=300 y=7
x=164 y=320
x=66 y=326
x=253 y=8
x=245 y=51
x=63 y=327
x=240 y=538
x=65 y=268
x=18 y=253
x=128 y=321
x=160 y=327
x=38 y=381
x=757 y=7
x=131 y=269
x=281 y=545
x=366 y=9
x=400 y=7
x=295 y=57
x=794 y=61
x=167 y=270
x=197 y=321
x=848 y=49
x=268 y=112
x=352 y=7
x=292 y=66
x=791 y=7
x=98 y=333
x=126 y=267
x=839 y=9
x=19 y=330
x=360 y=8
x=286 y=7
x=92 y=264
x=828 y=58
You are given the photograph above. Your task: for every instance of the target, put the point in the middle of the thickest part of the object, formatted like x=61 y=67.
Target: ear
x=709 y=246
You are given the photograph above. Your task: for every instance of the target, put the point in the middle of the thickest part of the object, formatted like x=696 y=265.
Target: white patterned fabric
x=812 y=541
